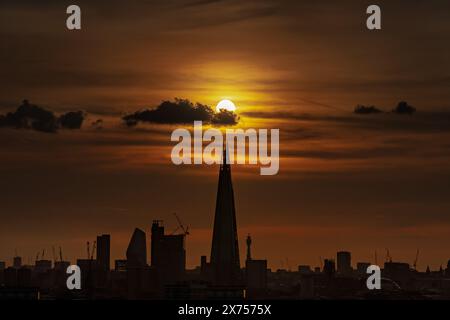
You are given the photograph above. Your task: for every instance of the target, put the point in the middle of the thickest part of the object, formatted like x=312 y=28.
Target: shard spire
x=225 y=249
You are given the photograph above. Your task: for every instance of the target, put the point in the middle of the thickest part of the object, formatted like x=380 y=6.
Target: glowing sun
x=226 y=105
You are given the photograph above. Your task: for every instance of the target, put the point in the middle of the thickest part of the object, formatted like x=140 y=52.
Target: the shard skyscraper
x=225 y=265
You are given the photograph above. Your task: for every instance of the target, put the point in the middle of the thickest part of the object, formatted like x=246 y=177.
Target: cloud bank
x=30 y=116
x=181 y=111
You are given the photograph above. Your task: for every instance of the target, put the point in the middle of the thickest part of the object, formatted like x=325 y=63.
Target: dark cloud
x=72 y=119
x=225 y=117
x=30 y=116
x=97 y=124
x=361 y=109
x=404 y=108
x=181 y=111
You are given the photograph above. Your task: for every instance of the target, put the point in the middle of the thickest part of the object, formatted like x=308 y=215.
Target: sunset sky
x=360 y=183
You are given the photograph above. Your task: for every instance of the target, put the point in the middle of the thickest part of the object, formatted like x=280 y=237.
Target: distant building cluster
x=166 y=277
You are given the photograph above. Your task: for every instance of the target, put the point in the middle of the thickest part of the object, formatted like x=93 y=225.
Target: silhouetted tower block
x=400 y=272
x=103 y=252
x=136 y=264
x=2 y=265
x=249 y=245
x=447 y=271
x=256 y=273
x=103 y=260
x=168 y=254
x=120 y=265
x=225 y=262
x=329 y=267
x=157 y=235
x=87 y=267
x=137 y=250
x=344 y=262
x=361 y=268
x=24 y=277
x=17 y=262
x=304 y=269
x=43 y=266
x=10 y=275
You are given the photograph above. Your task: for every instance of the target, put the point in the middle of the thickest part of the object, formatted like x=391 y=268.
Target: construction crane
x=94 y=247
x=321 y=263
x=90 y=254
x=376 y=258
x=416 y=259
x=181 y=226
x=54 y=254
x=43 y=254
x=388 y=256
x=60 y=254
x=287 y=264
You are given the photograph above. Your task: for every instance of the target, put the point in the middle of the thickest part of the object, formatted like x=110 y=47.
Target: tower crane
x=388 y=256
x=54 y=254
x=94 y=247
x=416 y=259
x=181 y=226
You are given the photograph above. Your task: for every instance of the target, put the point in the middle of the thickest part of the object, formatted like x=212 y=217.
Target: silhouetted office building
x=399 y=272
x=24 y=277
x=60 y=275
x=2 y=265
x=361 y=268
x=87 y=267
x=447 y=270
x=103 y=260
x=225 y=262
x=103 y=251
x=42 y=266
x=168 y=254
x=10 y=277
x=61 y=265
x=136 y=264
x=17 y=262
x=344 y=262
x=120 y=265
x=205 y=269
x=304 y=269
x=329 y=267
x=256 y=277
x=137 y=250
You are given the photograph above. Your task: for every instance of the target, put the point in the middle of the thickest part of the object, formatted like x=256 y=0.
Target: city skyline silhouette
x=89 y=118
